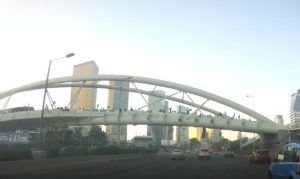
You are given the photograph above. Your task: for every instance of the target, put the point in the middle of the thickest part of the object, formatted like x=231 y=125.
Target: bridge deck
x=64 y=118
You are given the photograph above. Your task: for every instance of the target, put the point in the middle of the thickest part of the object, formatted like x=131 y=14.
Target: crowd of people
x=169 y=110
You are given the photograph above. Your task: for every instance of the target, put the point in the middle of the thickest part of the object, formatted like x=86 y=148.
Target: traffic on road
x=134 y=166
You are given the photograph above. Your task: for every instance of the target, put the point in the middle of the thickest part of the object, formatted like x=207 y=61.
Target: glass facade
x=158 y=133
x=295 y=110
x=117 y=100
x=85 y=97
x=182 y=131
x=279 y=120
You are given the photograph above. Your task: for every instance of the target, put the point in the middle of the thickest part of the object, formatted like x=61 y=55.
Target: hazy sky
x=230 y=48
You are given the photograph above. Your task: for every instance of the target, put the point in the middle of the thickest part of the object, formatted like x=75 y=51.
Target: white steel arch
x=67 y=82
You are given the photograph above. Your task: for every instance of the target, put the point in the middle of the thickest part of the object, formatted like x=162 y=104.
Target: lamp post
x=46 y=90
x=253 y=97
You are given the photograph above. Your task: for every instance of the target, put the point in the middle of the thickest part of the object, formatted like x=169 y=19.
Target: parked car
x=286 y=164
x=204 y=154
x=177 y=154
x=228 y=154
x=260 y=156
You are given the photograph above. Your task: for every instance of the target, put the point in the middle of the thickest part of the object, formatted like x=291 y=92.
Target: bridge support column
x=273 y=142
x=204 y=137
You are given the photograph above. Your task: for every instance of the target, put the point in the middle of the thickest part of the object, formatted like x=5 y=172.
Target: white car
x=204 y=153
x=177 y=154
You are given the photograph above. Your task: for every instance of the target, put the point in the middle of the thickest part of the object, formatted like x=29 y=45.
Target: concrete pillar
x=204 y=137
x=273 y=142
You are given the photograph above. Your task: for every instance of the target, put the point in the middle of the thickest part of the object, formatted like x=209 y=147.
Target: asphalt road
x=154 y=166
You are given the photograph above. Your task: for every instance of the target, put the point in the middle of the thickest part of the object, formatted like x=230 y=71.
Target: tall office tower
x=184 y=134
x=195 y=132
x=295 y=109
x=84 y=97
x=117 y=100
x=182 y=131
x=157 y=104
x=209 y=132
x=279 y=120
x=239 y=136
x=215 y=135
x=167 y=130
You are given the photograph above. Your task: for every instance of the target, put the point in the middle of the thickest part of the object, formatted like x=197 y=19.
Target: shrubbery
x=119 y=150
x=81 y=150
x=14 y=152
x=53 y=152
x=18 y=152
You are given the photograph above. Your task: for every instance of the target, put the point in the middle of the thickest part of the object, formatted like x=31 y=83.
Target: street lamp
x=46 y=89
x=253 y=97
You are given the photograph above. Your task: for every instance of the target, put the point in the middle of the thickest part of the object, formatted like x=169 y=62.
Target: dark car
x=286 y=163
x=260 y=156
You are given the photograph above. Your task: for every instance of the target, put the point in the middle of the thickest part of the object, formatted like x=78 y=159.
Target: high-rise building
x=84 y=97
x=182 y=131
x=215 y=135
x=239 y=136
x=209 y=132
x=295 y=109
x=117 y=100
x=157 y=104
x=195 y=132
x=279 y=120
x=184 y=134
x=167 y=130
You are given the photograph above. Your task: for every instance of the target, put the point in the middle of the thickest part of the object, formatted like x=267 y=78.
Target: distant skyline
x=230 y=48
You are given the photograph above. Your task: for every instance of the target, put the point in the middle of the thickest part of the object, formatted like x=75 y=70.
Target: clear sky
x=230 y=48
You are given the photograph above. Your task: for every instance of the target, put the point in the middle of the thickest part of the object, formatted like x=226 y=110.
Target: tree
x=224 y=142
x=97 y=136
x=64 y=137
x=69 y=137
x=235 y=145
x=194 y=143
x=52 y=139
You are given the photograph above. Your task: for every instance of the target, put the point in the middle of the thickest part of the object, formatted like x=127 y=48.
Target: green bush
x=81 y=150
x=6 y=155
x=53 y=152
x=119 y=150
x=14 y=152
x=67 y=151
x=24 y=153
x=17 y=152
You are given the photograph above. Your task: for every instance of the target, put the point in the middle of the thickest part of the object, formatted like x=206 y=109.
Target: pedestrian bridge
x=61 y=117
x=215 y=119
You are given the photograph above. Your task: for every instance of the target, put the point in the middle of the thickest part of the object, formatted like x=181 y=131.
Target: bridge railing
x=90 y=117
